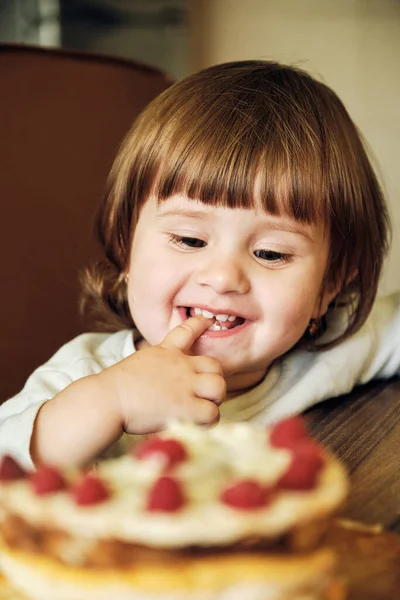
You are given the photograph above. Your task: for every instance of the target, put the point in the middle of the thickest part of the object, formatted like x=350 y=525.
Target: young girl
x=244 y=232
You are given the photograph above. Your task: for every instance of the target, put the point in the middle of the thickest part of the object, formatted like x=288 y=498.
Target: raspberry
x=10 y=470
x=172 y=451
x=47 y=480
x=246 y=495
x=306 y=464
x=288 y=432
x=166 y=495
x=90 y=490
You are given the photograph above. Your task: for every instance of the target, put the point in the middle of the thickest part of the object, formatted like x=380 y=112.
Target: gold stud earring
x=316 y=328
x=313 y=327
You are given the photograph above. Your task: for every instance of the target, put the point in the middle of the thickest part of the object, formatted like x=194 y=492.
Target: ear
x=321 y=306
x=329 y=292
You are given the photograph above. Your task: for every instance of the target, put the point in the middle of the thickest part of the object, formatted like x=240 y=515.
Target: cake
x=233 y=512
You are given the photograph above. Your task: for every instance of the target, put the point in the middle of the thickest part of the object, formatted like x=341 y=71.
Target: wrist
x=106 y=400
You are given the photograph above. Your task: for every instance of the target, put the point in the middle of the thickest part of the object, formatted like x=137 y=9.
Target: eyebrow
x=183 y=212
x=291 y=227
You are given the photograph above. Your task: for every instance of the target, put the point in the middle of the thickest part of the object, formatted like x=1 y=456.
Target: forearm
x=76 y=426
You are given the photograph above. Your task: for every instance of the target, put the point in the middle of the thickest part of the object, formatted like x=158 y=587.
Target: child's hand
x=164 y=382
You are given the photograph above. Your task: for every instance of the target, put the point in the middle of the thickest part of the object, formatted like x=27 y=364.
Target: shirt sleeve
x=384 y=359
x=77 y=359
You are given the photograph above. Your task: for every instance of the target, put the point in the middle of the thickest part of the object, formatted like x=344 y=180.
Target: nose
x=224 y=274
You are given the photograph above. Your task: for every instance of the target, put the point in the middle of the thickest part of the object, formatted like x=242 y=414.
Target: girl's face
x=262 y=273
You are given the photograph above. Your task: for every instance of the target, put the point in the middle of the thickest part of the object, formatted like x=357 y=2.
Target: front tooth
x=207 y=314
x=222 y=318
x=231 y=317
x=197 y=311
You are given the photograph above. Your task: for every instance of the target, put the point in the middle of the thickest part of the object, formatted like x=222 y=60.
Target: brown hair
x=210 y=136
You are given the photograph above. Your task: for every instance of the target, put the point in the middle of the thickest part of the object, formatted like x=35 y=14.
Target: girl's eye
x=187 y=242
x=271 y=256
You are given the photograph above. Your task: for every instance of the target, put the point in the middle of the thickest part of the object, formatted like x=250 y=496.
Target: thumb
x=184 y=336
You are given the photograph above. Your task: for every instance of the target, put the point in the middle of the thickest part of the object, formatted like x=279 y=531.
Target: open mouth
x=222 y=321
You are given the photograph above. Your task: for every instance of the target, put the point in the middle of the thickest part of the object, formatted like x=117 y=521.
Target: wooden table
x=363 y=429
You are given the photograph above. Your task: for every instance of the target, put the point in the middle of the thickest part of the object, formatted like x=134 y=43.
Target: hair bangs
x=213 y=164
x=247 y=167
x=293 y=188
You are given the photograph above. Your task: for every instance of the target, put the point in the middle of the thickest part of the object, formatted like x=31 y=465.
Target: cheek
x=154 y=280
x=289 y=309
x=146 y=268
x=295 y=313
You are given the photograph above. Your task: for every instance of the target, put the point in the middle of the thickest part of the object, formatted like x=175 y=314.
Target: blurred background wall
x=151 y=31
x=352 y=45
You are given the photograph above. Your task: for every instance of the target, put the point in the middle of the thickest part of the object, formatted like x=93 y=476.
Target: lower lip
x=218 y=333
x=222 y=333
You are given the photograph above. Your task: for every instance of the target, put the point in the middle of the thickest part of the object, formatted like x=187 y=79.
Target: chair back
x=63 y=115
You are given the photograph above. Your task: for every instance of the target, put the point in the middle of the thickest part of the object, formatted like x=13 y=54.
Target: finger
x=210 y=387
x=184 y=336
x=205 y=412
x=206 y=364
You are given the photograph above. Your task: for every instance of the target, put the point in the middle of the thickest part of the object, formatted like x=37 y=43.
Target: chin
x=231 y=367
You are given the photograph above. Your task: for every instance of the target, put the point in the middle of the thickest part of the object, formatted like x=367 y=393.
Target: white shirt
x=295 y=382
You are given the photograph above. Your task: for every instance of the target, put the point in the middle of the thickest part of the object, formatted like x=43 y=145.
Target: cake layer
x=110 y=553
x=309 y=576
x=216 y=460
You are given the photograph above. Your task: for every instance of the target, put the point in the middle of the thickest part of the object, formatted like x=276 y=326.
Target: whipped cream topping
x=216 y=458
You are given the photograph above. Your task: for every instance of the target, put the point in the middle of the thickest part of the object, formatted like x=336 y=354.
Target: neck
x=240 y=383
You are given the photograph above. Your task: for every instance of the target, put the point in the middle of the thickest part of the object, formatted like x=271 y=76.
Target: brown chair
x=62 y=117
